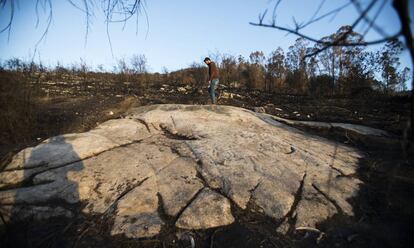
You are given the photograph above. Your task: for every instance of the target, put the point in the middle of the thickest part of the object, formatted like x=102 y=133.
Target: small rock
x=181 y=89
x=259 y=110
x=226 y=95
x=111 y=113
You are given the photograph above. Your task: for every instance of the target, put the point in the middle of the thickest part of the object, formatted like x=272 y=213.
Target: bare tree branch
x=9 y=24
x=330 y=13
x=402 y=9
x=274 y=11
x=318 y=41
x=49 y=22
x=371 y=23
x=115 y=11
x=340 y=40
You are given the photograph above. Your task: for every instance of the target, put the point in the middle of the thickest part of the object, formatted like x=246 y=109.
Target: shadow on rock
x=383 y=207
x=42 y=200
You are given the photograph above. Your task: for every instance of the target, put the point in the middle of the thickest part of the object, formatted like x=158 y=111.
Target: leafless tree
x=400 y=6
x=139 y=63
x=123 y=67
x=115 y=11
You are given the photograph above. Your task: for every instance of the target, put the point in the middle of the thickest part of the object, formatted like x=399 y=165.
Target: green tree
x=296 y=77
x=276 y=70
x=393 y=77
x=256 y=70
x=337 y=61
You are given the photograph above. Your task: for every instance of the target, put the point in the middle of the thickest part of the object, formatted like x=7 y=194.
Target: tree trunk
x=401 y=6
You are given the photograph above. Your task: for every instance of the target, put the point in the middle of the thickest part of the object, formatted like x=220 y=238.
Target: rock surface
x=366 y=135
x=208 y=210
x=186 y=163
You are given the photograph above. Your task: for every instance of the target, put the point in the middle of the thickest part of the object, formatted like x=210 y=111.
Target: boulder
x=186 y=164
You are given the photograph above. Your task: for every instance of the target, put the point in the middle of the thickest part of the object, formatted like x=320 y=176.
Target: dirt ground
x=384 y=206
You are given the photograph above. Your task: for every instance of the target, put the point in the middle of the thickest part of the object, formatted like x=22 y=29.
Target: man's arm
x=209 y=74
x=213 y=71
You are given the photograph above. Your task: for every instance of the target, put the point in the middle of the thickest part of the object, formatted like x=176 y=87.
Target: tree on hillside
x=338 y=60
x=389 y=62
x=123 y=70
x=296 y=77
x=83 y=72
x=139 y=63
x=14 y=64
x=198 y=74
x=359 y=77
x=122 y=66
x=276 y=70
x=242 y=72
x=401 y=8
x=256 y=70
x=228 y=69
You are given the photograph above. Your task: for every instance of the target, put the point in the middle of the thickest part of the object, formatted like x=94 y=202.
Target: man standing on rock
x=213 y=79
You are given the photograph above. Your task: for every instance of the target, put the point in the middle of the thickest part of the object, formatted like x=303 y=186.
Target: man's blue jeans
x=212 y=90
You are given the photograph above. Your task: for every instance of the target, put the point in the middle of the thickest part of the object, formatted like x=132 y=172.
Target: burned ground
x=384 y=205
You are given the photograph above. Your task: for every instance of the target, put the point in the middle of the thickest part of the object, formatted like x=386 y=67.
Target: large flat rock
x=185 y=163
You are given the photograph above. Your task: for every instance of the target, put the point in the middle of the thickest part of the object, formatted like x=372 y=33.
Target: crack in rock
x=145 y=123
x=287 y=224
x=209 y=209
x=172 y=133
x=26 y=177
x=178 y=215
x=177 y=184
x=113 y=206
x=136 y=212
x=338 y=208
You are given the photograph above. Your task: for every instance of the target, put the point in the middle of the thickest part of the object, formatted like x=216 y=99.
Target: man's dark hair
x=207 y=59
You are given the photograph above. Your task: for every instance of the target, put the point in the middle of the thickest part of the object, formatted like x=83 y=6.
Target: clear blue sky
x=180 y=32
